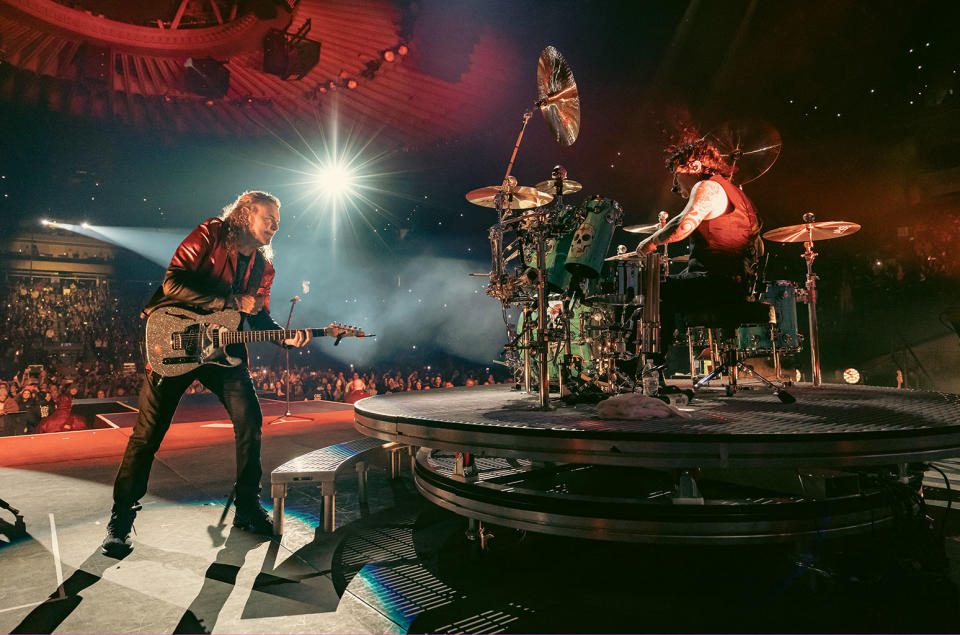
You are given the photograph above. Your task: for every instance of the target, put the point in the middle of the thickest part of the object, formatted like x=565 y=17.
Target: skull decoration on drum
x=582 y=240
x=593 y=236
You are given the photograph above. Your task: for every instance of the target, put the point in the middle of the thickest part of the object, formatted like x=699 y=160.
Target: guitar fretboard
x=276 y=335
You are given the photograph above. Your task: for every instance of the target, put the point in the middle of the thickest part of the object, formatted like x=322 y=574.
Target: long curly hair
x=692 y=148
x=237 y=217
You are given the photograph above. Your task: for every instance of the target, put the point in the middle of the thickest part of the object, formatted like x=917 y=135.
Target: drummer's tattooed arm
x=707 y=200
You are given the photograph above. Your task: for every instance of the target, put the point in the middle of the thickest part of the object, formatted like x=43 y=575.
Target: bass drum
x=579 y=340
x=592 y=238
x=755 y=340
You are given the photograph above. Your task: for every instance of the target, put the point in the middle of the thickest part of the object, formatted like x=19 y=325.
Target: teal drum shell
x=782 y=294
x=579 y=347
x=592 y=238
x=555 y=257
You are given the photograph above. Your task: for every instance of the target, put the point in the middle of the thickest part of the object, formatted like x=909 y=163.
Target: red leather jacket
x=202 y=271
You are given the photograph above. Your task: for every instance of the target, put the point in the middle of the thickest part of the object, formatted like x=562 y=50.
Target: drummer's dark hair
x=699 y=149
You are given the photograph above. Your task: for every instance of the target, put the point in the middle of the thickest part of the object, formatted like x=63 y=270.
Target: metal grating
x=825 y=410
x=328 y=459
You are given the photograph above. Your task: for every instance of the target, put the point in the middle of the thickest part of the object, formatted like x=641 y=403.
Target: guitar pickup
x=178 y=360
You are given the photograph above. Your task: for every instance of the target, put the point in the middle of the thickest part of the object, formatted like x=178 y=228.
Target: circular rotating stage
x=746 y=468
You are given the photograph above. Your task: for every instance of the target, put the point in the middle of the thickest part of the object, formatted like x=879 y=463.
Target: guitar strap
x=256 y=273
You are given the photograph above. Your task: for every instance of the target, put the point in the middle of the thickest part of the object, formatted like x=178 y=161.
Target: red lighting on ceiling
x=402 y=49
x=352 y=84
x=389 y=56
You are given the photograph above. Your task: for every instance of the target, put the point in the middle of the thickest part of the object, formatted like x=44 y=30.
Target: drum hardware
x=809 y=232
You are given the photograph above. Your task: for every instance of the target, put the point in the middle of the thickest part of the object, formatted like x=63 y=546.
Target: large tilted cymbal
x=558 y=99
x=821 y=230
x=569 y=186
x=643 y=229
x=750 y=146
x=516 y=197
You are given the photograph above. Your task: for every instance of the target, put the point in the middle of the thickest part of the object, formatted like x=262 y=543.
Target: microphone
x=675 y=189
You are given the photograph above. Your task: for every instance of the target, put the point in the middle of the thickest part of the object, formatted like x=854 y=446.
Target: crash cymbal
x=750 y=146
x=516 y=197
x=569 y=186
x=558 y=99
x=642 y=229
x=631 y=256
x=821 y=230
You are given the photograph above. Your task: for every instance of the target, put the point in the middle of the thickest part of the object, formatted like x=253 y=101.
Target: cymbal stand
x=809 y=254
x=503 y=207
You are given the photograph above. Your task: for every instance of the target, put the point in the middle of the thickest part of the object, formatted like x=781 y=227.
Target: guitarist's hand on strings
x=302 y=338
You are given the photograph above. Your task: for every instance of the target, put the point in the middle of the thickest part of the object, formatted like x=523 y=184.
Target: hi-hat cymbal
x=631 y=256
x=750 y=146
x=558 y=99
x=516 y=197
x=821 y=230
x=642 y=229
x=569 y=186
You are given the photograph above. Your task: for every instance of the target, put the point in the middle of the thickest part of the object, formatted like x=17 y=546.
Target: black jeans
x=157 y=402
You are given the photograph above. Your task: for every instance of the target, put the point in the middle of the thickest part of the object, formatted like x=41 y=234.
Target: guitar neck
x=276 y=335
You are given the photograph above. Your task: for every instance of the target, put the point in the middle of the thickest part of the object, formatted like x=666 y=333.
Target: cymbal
x=820 y=230
x=558 y=98
x=569 y=186
x=642 y=229
x=631 y=256
x=516 y=197
x=751 y=146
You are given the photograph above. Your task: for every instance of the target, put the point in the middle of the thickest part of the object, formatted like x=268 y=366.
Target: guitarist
x=225 y=263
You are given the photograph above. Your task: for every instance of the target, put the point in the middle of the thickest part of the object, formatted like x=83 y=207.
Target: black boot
x=250 y=515
x=117 y=541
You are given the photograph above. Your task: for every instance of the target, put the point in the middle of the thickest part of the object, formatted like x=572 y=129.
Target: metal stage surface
x=833 y=425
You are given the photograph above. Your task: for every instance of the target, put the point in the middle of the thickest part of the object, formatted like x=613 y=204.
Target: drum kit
x=601 y=321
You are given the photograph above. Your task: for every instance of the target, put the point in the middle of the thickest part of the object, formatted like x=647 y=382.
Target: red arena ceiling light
x=351 y=84
x=389 y=56
x=402 y=49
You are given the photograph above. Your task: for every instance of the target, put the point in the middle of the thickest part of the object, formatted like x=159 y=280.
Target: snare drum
x=593 y=236
x=755 y=340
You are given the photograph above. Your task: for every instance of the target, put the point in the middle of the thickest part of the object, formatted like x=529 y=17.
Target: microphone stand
x=286 y=416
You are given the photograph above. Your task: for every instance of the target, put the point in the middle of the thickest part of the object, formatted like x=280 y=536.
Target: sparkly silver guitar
x=179 y=339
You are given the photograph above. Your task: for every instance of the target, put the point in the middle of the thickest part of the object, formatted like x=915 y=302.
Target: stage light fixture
x=85 y=225
x=336 y=181
x=402 y=49
x=44 y=222
x=389 y=56
x=351 y=84
x=851 y=376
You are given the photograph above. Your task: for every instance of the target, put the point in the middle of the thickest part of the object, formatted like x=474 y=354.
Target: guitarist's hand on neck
x=250 y=304
x=302 y=338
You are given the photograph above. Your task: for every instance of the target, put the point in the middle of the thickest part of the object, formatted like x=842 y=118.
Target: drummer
x=723 y=231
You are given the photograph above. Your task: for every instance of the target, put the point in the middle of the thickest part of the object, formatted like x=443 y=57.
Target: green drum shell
x=782 y=295
x=592 y=238
x=578 y=347
x=555 y=257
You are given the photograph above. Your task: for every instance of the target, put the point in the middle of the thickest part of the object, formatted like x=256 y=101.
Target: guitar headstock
x=338 y=330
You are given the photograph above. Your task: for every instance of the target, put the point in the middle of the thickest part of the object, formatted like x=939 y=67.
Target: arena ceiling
x=132 y=63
